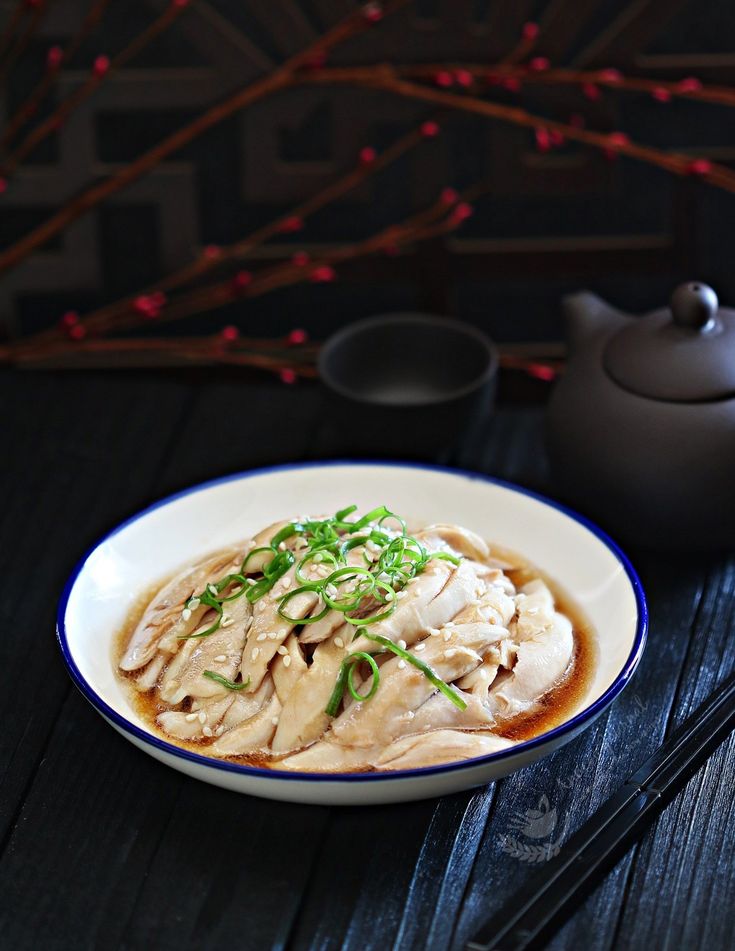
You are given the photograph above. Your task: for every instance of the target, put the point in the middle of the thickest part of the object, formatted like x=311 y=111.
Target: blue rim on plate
x=563 y=729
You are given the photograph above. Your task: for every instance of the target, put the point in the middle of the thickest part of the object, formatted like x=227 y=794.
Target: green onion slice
x=420 y=665
x=218 y=678
x=310 y=586
x=344 y=679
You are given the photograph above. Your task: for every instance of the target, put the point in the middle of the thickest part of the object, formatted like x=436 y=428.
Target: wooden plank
x=79 y=458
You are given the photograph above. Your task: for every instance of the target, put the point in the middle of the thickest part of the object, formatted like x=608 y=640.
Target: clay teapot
x=641 y=427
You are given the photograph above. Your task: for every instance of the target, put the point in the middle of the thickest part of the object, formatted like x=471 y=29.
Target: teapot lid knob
x=694 y=306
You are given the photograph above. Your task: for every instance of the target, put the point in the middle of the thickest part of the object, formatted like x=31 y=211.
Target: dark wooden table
x=103 y=847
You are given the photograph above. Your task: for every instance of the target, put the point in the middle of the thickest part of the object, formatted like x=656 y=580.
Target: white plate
x=576 y=554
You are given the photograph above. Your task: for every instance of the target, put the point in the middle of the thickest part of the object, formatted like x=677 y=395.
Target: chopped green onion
x=218 y=678
x=344 y=679
x=420 y=665
x=343 y=513
x=312 y=619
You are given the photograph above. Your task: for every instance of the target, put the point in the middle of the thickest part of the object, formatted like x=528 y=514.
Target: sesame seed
x=338 y=642
x=274 y=721
x=402 y=644
x=250 y=581
x=254 y=653
x=411 y=714
x=191 y=717
x=389 y=595
x=324 y=571
x=420 y=647
x=282 y=546
x=185 y=614
x=286 y=583
x=318 y=557
x=237 y=590
x=261 y=637
x=286 y=661
x=282 y=650
x=219 y=731
x=451 y=652
x=211 y=588
x=272 y=636
x=207 y=730
x=226 y=620
x=202 y=716
x=433 y=632
x=193 y=604
x=401 y=595
x=331 y=591
x=447 y=635
x=220 y=658
x=401 y=664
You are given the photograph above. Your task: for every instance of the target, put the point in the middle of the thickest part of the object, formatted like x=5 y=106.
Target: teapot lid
x=682 y=354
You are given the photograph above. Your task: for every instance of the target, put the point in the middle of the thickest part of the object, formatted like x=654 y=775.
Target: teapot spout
x=588 y=316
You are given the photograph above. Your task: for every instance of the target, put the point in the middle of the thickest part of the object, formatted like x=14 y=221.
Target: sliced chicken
x=202 y=721
x=458 y=539
x=303 y=718
x=246 y=705
x=288 y=667
x=441 y=746
x=148 y=677
x=164 y=611
x=269 y=630
x=252 y=735
x=404 y=688
x=432 y=599
x=542 y=660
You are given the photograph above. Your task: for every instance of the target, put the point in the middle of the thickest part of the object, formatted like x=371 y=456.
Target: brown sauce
x=554 y=708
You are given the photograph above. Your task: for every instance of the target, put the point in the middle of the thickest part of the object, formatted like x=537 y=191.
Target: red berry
x=373 y=12
x=530 y=31
x=556 y=138
x=54 y=57
x=241 y=281
x=610 y=76
x=179 y=4
x=100 y=66
x=448 y=196
x=368 y=155
x=291 y=224
x=211 y=252
x=444 y=78
x=661 y=94
x=590 y=91
x=298 y=336
x=300 y=259
x=462 y=211
x=287 y=375
x=230 y=333
x=323 y=274
x=3 y=185
x=77 y=332
x=700 y=166
x=689 y=84
x=464 y=77
x=538 y=64
x=541 y=372
x=69 y=319
x=543 y=140
x=618 y=140
x=429 y=129
x=144 y=306
x=511 y=83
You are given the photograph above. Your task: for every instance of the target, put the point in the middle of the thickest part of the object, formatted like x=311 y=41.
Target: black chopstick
x=548 y=898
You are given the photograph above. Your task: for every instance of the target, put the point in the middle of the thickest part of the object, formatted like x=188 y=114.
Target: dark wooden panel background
x=549 y=223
